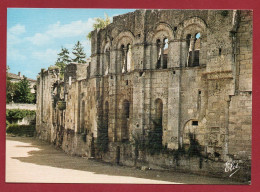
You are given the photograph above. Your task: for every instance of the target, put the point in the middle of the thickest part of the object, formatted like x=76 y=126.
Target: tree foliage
x=100 y=23
x=10 y=87
x=10 y=90
x=78 y=52
x=22 y=93
x=19 y=92
x=63 y=60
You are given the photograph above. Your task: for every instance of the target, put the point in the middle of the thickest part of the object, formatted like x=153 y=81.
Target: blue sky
x=35 y=36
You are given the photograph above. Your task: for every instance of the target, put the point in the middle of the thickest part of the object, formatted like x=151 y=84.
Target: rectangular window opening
x=195 y=123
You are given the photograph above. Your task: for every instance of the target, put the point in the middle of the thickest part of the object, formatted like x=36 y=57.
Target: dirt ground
x=35 y=161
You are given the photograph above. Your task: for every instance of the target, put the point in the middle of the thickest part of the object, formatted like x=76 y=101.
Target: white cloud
x=15 y=55
x=58 y=31
x=39 y=39
x=47 y=56
x=17 y=29
x=13 y=34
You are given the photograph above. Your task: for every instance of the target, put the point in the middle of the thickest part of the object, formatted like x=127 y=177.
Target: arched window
x=128 y=57
x=165 y=53
x=196 y=50
x=162 y=53
x=125 y=120
x=193 y=44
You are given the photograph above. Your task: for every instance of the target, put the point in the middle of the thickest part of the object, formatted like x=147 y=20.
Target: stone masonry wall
x=176 y=73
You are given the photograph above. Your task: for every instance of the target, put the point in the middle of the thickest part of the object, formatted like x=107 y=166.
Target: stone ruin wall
x=217 y=94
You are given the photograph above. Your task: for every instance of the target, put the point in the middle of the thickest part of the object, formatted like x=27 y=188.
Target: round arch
x=125 y=37
x=193 y=22
x=161 y=31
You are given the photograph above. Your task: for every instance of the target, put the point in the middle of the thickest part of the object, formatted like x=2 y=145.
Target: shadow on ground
x=48 y=155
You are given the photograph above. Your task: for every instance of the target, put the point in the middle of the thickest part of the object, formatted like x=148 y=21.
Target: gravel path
x=34 y=161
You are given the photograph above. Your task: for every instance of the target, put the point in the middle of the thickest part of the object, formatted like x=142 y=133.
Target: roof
x=14 y=76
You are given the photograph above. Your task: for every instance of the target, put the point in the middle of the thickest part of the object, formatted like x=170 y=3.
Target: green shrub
x=21 y=130
x=13 y=115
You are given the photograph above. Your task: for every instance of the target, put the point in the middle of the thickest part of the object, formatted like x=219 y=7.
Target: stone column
x=153 y=56
x=192 y=49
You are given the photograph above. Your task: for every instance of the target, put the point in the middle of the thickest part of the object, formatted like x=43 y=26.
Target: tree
x=10 y=87
x=79 y=54
x=63 y=60
x=23 y=92
x=10 y=90
x=100 y=23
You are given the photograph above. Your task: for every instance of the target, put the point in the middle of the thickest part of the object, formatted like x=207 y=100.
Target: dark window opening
x=126 y=82
x=140 y=74
x=175 y=28
x=195 y=123
x=139 y=35
x=219 y=51
x=199 y=92
x=196 y=50
x=173 y=72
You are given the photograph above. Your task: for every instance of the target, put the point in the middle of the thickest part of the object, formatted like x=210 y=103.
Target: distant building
x=16 y=78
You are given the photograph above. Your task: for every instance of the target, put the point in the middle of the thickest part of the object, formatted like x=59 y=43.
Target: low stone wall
x=21 y=106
